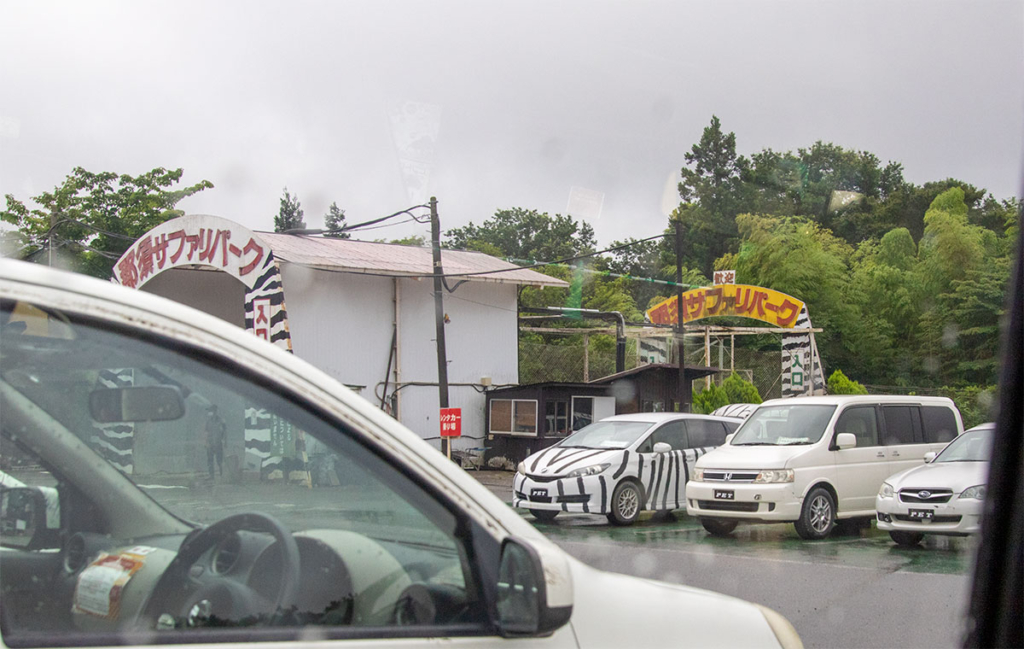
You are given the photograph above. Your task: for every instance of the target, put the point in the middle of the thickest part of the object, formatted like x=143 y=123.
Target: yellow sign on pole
x=739 y=300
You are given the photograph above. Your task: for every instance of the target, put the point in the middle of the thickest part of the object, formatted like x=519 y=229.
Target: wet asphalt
x=854 y=589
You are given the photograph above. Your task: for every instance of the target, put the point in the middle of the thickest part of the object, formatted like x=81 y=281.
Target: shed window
x=513 y=416
x=557 y=416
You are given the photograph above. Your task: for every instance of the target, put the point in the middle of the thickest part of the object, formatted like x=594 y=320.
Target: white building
x=363 y=312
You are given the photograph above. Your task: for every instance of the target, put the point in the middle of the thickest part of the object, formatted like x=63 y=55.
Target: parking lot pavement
x=499 y=482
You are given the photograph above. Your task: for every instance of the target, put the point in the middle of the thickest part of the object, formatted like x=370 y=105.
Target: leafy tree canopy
x=521 y=233
x=90 y=219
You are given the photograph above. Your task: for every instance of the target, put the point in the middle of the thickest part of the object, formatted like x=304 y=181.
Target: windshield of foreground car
x=232 y=446
x=973 y=446
x=607 y=434
x=784 y=425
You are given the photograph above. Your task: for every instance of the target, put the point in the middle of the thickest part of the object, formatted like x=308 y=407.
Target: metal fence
x=569 y=361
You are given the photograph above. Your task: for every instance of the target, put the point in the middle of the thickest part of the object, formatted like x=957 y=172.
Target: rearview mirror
x=662 y=447
x=148 y=403
x=846 y=440
x=929 y=456
x=526 y=605
x=30 y=517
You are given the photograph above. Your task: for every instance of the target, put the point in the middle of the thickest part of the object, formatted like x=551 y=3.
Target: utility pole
x=442 y=355
x=681 y=387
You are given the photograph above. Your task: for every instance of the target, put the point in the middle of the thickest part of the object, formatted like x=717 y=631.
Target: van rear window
x=939 y=424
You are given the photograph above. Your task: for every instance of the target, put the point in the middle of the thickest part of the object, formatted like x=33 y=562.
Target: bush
x=740 y=390
x=733 y=390
x=710 y=399
x=838 y=383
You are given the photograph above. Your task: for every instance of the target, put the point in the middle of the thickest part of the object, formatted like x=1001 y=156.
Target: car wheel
x=818 y=516
x=718 y=526
x=626 y=500
x=906 y=539
x=544 y=514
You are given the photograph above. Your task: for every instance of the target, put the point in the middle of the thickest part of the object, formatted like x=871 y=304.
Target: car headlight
x=775 y=475
x=697 y=475
x=593 y=469
x=521 y=468
x=886 y=491
x=977 y=492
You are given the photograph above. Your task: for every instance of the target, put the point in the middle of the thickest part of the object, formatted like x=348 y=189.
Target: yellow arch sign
x=739 y=300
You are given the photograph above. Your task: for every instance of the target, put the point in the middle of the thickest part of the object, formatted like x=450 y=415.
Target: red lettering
x=126 y=268
x=251 y=247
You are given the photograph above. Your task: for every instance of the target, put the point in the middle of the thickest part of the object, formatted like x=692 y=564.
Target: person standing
x=216 y=431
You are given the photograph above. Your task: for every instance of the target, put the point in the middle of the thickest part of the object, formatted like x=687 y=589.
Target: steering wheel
x=201 y=596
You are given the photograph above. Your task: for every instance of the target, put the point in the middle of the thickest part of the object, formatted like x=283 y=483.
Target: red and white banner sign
x=451 y=422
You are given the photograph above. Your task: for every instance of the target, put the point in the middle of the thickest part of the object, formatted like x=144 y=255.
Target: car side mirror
x=728 y=438
x=929 y=456
x=534 y=595
x=30 y=518
x=846 y=440
x=662 y=447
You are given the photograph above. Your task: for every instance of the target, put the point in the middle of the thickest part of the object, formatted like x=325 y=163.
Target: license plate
x=922 y=514
x=722 y=494
x=542 y=493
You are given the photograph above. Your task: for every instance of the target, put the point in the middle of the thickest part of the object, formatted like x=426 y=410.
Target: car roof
x=843 y=399
x=658 y=417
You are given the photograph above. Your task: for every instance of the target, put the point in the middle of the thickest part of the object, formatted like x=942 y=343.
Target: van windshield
x=784 y=425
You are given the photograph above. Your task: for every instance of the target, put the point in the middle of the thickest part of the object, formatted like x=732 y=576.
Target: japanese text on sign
x=741 y=300
x=192 y=241
x=451 y=422
x=725 y=277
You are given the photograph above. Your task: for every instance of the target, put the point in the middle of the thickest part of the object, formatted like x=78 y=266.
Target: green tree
x=711 y=193
x=289 y=215
x=334 y=221
x=90 y=219
x=521 y=233
x=838 y=383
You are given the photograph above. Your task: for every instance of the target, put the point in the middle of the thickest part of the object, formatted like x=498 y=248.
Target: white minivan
x=815 y=460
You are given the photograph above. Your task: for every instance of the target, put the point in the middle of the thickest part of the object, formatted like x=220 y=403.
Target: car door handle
x=880 y=454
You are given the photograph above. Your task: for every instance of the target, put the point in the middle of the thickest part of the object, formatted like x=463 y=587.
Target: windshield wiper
x=754 y=444
x=795 y=444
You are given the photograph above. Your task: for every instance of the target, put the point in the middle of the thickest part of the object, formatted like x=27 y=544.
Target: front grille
x=543 y=478
x=727 y=506
x=934 y=495
x=535 y=499
x=575 y=498
x=729 y=476
x=934 y=519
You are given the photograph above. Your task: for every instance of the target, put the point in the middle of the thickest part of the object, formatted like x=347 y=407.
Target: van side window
x=899 y=424
x=673 y=433
x=939 y=424
x=730 y=426
x=862 y=423
x=705 y=432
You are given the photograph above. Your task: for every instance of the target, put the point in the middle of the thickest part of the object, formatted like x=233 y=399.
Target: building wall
x=481 y=339
x=343 y=323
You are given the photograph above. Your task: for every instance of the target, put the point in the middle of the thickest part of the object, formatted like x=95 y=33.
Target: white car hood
x=646 y=613
x=559 y=460
x=750 y=457
x=952 y=475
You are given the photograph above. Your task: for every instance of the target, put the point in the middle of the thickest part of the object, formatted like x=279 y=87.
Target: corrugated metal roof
x=368 y=257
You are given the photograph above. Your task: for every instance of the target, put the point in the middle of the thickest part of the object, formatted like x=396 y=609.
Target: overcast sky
x=489 y=105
